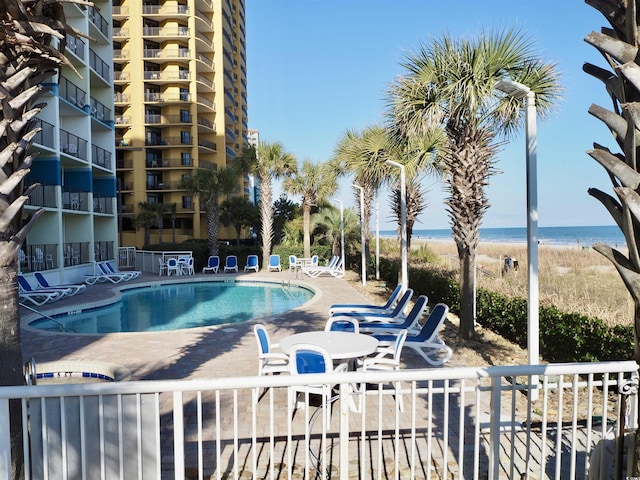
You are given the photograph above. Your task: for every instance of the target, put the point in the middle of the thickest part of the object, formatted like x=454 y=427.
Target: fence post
x=5 y=439
x=494 y=428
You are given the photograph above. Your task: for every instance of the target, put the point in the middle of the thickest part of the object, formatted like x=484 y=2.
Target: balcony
x=166 y=33
x=45 y=136
x=73 y=145
x=99 y=111
x=98 y=20
x=72 y=93
x=101 y=157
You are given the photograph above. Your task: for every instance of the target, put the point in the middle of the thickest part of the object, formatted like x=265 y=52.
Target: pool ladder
x=29 y=370
x=44 y=315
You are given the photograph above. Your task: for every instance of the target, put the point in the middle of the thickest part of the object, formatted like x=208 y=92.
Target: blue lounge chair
x=396 y=315
x=44 y=284
x=359 y=307
x=213 y=264
x=274 y=263
x=411 y=322
x=38 y=297
x=129 y=274
x=231 y=264
x=252 y=263
x=427 y=343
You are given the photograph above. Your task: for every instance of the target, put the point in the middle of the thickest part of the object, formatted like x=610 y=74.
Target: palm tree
x=364 y=154
x=209 y=184
x=617 y=44
x=451 y=82
x=28 y=57
x=328 y=221
x=239 y=212
x=314 y=183
x=147 y=217
x=271 y=162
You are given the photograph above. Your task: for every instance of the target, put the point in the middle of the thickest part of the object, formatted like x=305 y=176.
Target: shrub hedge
x=564 y=337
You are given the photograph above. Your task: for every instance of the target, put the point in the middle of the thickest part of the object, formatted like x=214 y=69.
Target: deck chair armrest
x=275 y=356
x=379 y=363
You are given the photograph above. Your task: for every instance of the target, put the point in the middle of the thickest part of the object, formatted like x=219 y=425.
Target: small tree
x=239 y=212
x=146 y=218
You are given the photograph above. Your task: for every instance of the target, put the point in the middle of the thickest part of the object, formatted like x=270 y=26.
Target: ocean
x=586 y=236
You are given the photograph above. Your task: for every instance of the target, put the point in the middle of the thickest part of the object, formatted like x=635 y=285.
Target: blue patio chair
x=252 y=263
x=293 y=263
x=231 y=264
x=342 y=324
x=274 y=263
x=309 y=359
x=173 y=266
x=268 y=360
x=213 y=264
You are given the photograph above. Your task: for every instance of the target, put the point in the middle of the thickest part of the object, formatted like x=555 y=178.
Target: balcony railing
x=98 y=20
x=165 y=10
x=72 y=93
x=75 y=199
x=101 y=157
x=45 y=136
x=75 y=253
x=76 y=45
x=43 y=196
x=102 y=204
x=36 y=257
x=101 y=67
x=73 y=145
x=100 y=111
x=456 y=423
x=103 y=251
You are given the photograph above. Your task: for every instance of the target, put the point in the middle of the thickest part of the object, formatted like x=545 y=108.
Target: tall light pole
x=364 y=265
x=341 y=233
x=518 y=90
x=403 y=224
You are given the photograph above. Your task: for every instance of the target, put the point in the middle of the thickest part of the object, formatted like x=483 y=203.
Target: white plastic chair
x=342 y=324
x=309 y=359
x=186 y=268
x=386 y=359
x=173 y=266
x=269 y=362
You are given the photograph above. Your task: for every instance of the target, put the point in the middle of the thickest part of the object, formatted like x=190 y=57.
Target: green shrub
x=564 y=337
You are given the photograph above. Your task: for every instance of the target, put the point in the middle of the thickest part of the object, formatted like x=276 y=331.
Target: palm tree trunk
x=467 y=291
x=266 y=215
x=212 y=227
x=11 y=358
x=306 y=227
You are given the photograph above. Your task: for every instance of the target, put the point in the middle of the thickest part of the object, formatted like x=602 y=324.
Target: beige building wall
x=180 y=104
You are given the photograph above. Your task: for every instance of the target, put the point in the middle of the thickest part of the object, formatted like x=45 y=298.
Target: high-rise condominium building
x=74 y=167
x=180 y=103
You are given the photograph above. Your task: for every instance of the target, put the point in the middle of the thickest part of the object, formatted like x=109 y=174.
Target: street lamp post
x=341 y=233
x=364 y=265
x=403 y=224
x=518 y=90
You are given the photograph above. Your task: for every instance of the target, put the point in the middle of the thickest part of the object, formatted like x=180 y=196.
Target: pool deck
x=207 y=352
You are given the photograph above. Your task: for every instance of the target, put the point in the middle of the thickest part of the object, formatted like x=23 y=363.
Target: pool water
x=184 y=305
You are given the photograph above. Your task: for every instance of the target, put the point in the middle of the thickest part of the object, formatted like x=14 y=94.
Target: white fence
x=456 y=423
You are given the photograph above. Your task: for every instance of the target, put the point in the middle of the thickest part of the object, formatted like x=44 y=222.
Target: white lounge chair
x=358 y=307
x=44 y=284
x=411 y=322
x=38 y=297
x=274 y=263
x=231 y=264
x=213 y=264
x=252 y=263
x=396 y=315
x=334 y=268
x=130 y=274
x=427 y=343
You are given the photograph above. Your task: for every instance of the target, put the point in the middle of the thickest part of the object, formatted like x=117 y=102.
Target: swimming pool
x=182 y=305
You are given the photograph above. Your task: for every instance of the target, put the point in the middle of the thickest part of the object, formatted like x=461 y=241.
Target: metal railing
x=456 y=423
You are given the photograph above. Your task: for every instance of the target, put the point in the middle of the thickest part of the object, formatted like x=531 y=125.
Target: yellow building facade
x=180 y=103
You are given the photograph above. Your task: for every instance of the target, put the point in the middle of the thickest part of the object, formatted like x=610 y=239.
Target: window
x=185 y=158
x=185 y=117
x=184 y=95
x=185 y=137
x=187 y=203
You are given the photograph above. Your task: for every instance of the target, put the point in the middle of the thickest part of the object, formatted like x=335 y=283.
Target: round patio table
x=340 y=345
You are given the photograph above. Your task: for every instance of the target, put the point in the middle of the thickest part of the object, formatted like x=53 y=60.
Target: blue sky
x=319 y=67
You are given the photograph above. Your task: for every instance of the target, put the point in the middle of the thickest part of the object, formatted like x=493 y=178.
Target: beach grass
x=572 y=278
